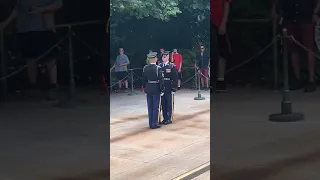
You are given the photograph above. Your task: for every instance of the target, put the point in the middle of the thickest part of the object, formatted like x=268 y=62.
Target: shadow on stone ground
x=247 y=146
x=40 y=141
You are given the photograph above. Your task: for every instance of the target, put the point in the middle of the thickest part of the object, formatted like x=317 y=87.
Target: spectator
x=36 y=34
x=300 y=17
x=177 y=60
x=160 y=55
x=219 y=17
x=121 y=68
x=202 y=64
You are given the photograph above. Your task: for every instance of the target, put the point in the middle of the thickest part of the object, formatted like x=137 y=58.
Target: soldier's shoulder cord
x=158 y=68
x=144 y=67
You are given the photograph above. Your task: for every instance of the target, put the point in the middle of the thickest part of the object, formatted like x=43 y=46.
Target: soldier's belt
x=153 y=82
x=166 y=79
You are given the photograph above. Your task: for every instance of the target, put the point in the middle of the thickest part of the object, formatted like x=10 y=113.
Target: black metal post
x=275 y=58
x=196 y=79
x=110 y=82
x=199 y=97
x=286 y=114
x=286 y=104
x=4 y=88
x=132 y=90
x=72 y=84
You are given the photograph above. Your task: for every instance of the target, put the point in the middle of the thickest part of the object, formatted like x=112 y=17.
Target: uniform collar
x=152 y=63
x=165 y=63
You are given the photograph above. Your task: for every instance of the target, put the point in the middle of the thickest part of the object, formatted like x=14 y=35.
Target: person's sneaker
x=32 y=91
x=126 y=90
x=310 y=87
x=202 y=88
x=52 y=92
x=221 y=86
x=206 y=89
x=179 y=88
x=295 y=84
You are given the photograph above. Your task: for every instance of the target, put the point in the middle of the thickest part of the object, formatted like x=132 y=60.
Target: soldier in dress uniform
x=170 y=86
x=153 y=84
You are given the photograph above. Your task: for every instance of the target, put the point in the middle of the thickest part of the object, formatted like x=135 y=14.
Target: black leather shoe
x=156 y=127
x=167 y=122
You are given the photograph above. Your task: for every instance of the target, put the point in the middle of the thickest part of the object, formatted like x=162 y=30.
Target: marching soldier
x=153 y=86
x=170 y=86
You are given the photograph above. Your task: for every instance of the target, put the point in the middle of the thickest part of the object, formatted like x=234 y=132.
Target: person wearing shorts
x=299 y=18
x=177 y=60
x=214 y=54
x=121 y=68
x=122 y=76
x=219 y=18
x=202 y=64
x=36 y=35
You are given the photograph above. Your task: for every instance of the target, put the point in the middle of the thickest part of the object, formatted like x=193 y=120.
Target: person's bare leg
x=220 y=83
x=202 y=81
x=126 y=84
x=311 y=66
x=179 y=83
x=52 y=71
x=32 y=71
x=296 y=64
x=221 y=69
x=120 y=84
x=207 y=82
x=53 y=78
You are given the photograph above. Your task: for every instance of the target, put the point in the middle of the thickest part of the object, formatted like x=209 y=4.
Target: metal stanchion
x=199 y=97
x=72 y=84
x=70 y=102
x=196 y=79
x=4 y=88
x=275 y=57
x=286 y=114
x=132 y=90
x=110 y=82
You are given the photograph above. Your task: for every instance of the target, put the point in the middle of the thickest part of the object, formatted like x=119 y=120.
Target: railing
x=70 y=35
x=189 y=79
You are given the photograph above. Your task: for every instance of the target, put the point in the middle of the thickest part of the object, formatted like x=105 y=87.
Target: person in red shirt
x=219 y=12
x=177 y=60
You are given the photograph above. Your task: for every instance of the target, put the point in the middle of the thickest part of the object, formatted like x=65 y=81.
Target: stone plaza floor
x=138 y=152
x=246 y=146
x=42 y=142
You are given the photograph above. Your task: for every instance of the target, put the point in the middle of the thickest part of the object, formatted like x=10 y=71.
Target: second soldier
x=170 y=86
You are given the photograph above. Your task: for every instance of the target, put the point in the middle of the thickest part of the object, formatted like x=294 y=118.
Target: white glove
x=161 y=94
x=172 y=93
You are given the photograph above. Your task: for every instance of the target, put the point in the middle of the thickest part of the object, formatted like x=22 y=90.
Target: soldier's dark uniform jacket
x=170 y=85
x=153 y=83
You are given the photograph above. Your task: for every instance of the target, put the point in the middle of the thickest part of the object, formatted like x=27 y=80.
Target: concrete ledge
x=195 y=172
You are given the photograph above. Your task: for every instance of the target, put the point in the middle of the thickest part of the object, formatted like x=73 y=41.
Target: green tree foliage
x=159 y=9
x=195 y=14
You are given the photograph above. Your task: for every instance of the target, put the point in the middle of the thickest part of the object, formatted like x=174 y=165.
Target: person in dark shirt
x=299 y=18
x=202 y=65
x=160 y=56
x=219 y=18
